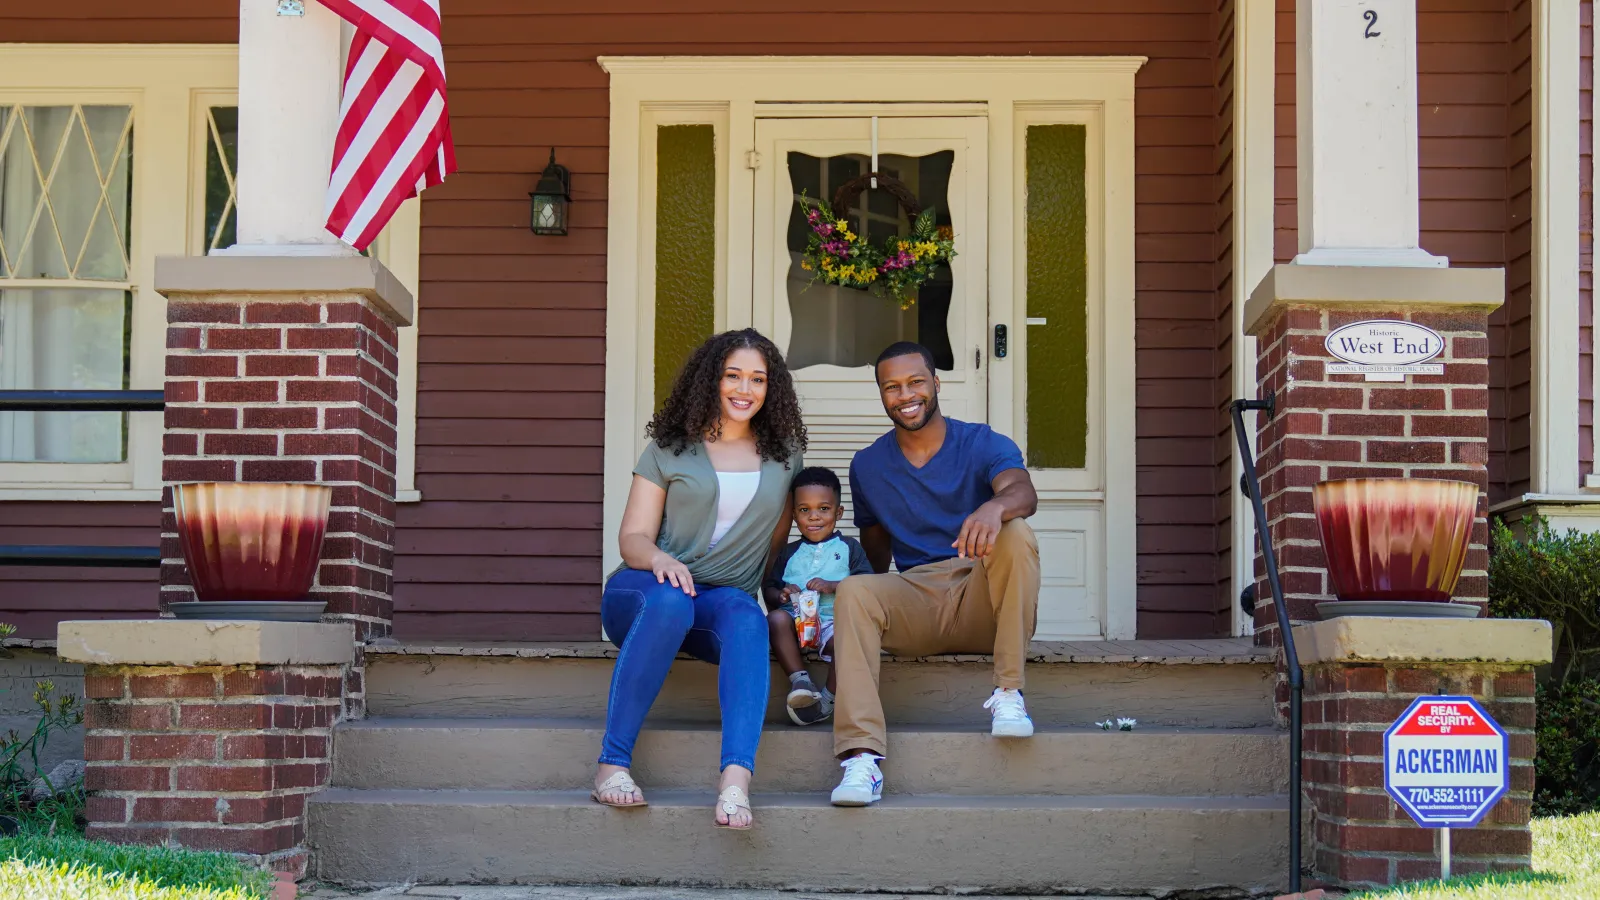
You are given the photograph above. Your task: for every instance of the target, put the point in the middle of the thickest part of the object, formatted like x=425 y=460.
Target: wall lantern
x=550 y=199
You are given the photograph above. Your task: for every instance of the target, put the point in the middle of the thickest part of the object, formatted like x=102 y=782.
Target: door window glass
x=848 y=327
x=1058 y=288
x=686 y=246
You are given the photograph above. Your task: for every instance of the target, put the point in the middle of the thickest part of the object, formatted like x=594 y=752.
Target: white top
x=735 y=490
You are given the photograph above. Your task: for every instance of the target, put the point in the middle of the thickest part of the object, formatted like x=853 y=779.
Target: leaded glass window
x=65 y=302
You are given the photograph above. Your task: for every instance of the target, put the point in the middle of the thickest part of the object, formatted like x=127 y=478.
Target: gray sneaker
x=803 y=693
x=820 y=711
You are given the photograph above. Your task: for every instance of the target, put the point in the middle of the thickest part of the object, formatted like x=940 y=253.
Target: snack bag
x=806 y=621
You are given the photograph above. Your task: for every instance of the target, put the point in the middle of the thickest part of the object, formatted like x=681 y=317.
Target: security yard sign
x=1444 y=762
x=1384 y=350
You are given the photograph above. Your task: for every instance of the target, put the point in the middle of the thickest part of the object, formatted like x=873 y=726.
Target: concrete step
x=1114 y=844
x=558 y=754
x=1214 y=684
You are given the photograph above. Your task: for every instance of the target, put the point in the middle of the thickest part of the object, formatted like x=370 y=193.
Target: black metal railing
x=68 y=554
x=1250 y=483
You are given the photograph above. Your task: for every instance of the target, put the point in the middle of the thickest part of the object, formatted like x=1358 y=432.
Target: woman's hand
x=666 y=569
x=822 y=586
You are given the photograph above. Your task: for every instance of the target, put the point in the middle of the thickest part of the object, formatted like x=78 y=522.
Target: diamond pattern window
x=65 y=302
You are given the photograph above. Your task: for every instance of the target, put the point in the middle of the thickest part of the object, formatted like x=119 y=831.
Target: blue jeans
x=651 y=622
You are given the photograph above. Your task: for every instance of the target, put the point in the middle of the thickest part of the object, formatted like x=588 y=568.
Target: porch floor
x=1216 y=651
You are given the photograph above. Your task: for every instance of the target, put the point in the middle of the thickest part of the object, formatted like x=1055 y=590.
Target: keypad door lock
x=1000 y=342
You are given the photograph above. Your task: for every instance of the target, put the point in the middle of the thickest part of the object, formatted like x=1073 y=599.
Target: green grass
x=72 y=868
x=1566 y=865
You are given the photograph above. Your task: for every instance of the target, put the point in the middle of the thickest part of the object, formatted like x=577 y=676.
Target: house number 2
x=1371 y=15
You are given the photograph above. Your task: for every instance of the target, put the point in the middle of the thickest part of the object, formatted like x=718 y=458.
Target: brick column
x=285 y=369
x=1361 y=674
x=1342 y=426
x=209 y=735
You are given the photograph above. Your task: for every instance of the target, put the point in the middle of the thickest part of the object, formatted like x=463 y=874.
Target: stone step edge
x=977 y=729
x=1218 y=651
x=668 y=798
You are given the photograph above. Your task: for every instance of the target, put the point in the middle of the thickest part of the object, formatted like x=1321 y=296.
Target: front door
x=831 y=335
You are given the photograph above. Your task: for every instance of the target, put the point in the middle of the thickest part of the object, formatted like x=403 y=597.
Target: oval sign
x=1384 y=343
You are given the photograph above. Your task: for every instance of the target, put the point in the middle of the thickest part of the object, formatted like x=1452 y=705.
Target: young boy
x=817 y=562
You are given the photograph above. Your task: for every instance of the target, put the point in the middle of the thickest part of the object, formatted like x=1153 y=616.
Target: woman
x=708 y=507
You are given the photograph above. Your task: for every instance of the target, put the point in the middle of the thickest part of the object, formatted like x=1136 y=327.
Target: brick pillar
x=209 y=735
x=1361 y=674
x=1342 y=426
x=284 y=369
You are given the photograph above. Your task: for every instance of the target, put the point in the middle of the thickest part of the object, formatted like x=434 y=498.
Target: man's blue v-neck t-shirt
x=923 y=509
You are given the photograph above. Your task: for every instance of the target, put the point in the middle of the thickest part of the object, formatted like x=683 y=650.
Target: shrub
x=19 y=758
x=1556 y=577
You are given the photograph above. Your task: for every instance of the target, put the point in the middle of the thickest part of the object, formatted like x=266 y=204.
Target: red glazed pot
x=251 y=541
x=1395 y=538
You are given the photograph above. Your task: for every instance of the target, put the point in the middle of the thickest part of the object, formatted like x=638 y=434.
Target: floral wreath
x=836 y=255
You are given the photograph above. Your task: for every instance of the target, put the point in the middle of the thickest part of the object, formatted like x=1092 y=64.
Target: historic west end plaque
x=1384 y=350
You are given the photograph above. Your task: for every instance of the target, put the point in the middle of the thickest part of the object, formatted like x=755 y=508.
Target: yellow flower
x=827 y=264
x=902 y=245
x=924 y=248
x=805 y=264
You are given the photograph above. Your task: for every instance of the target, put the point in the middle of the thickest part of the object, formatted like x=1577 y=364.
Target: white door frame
x=725 y=92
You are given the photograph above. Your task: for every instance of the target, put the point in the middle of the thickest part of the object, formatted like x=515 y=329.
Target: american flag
x=394 y=124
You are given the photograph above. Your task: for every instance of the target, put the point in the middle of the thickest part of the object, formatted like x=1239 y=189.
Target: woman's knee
x=668 y=607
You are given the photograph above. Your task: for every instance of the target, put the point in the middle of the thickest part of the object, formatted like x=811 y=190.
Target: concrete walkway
x=469 y=892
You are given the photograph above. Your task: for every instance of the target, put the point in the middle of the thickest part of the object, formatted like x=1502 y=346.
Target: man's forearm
x=1016 y=501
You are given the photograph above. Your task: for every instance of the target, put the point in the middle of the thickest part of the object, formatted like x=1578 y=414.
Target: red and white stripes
x=394 y=121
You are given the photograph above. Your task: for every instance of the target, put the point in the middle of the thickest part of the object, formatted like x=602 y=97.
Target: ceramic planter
x=250 y=544
x=1395 y=539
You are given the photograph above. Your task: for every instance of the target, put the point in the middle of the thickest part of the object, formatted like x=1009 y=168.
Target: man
x=947 y=499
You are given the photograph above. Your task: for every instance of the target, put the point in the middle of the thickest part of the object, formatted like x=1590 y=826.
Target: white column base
x=1412 y=257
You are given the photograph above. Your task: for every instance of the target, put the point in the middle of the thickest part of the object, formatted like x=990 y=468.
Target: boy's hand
x=788 y=592
x=822 y=586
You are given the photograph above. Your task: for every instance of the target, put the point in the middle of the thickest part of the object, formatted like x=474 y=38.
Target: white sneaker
x=862 y=783
x=1010 y=715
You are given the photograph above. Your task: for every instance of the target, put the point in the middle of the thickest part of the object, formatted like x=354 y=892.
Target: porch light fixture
x=551 y=196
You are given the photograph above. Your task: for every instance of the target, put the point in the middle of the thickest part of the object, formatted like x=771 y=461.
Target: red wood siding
x=35 y=599
x=1216 y=619
x=507 y=543
x=508 y=540
x=1586 y=246
x=1510 y=328
x=1473 y=94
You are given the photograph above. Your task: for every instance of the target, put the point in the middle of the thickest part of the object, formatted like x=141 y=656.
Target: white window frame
x=169 y=87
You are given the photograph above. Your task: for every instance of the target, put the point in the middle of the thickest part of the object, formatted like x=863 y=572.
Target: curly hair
x=693 y=411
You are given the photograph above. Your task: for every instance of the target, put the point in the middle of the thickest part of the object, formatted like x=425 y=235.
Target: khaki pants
x=954 y=606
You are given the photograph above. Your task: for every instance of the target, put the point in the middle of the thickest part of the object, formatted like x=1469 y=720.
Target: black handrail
x=1250 y=483
x=67 y=554
x=82 y=401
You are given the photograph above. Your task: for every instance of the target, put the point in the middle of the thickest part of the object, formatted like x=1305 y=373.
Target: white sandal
x=730 y=801
x=619 y=781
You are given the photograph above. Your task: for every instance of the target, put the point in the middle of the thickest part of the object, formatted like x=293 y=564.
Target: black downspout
x=1251 y=484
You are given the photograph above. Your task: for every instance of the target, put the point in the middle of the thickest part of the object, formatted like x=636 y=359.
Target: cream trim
x=1556 y=53
x=157 y=81
x=1254 y=77
x=942 y=68
x=741 y=88
x=402 y=252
